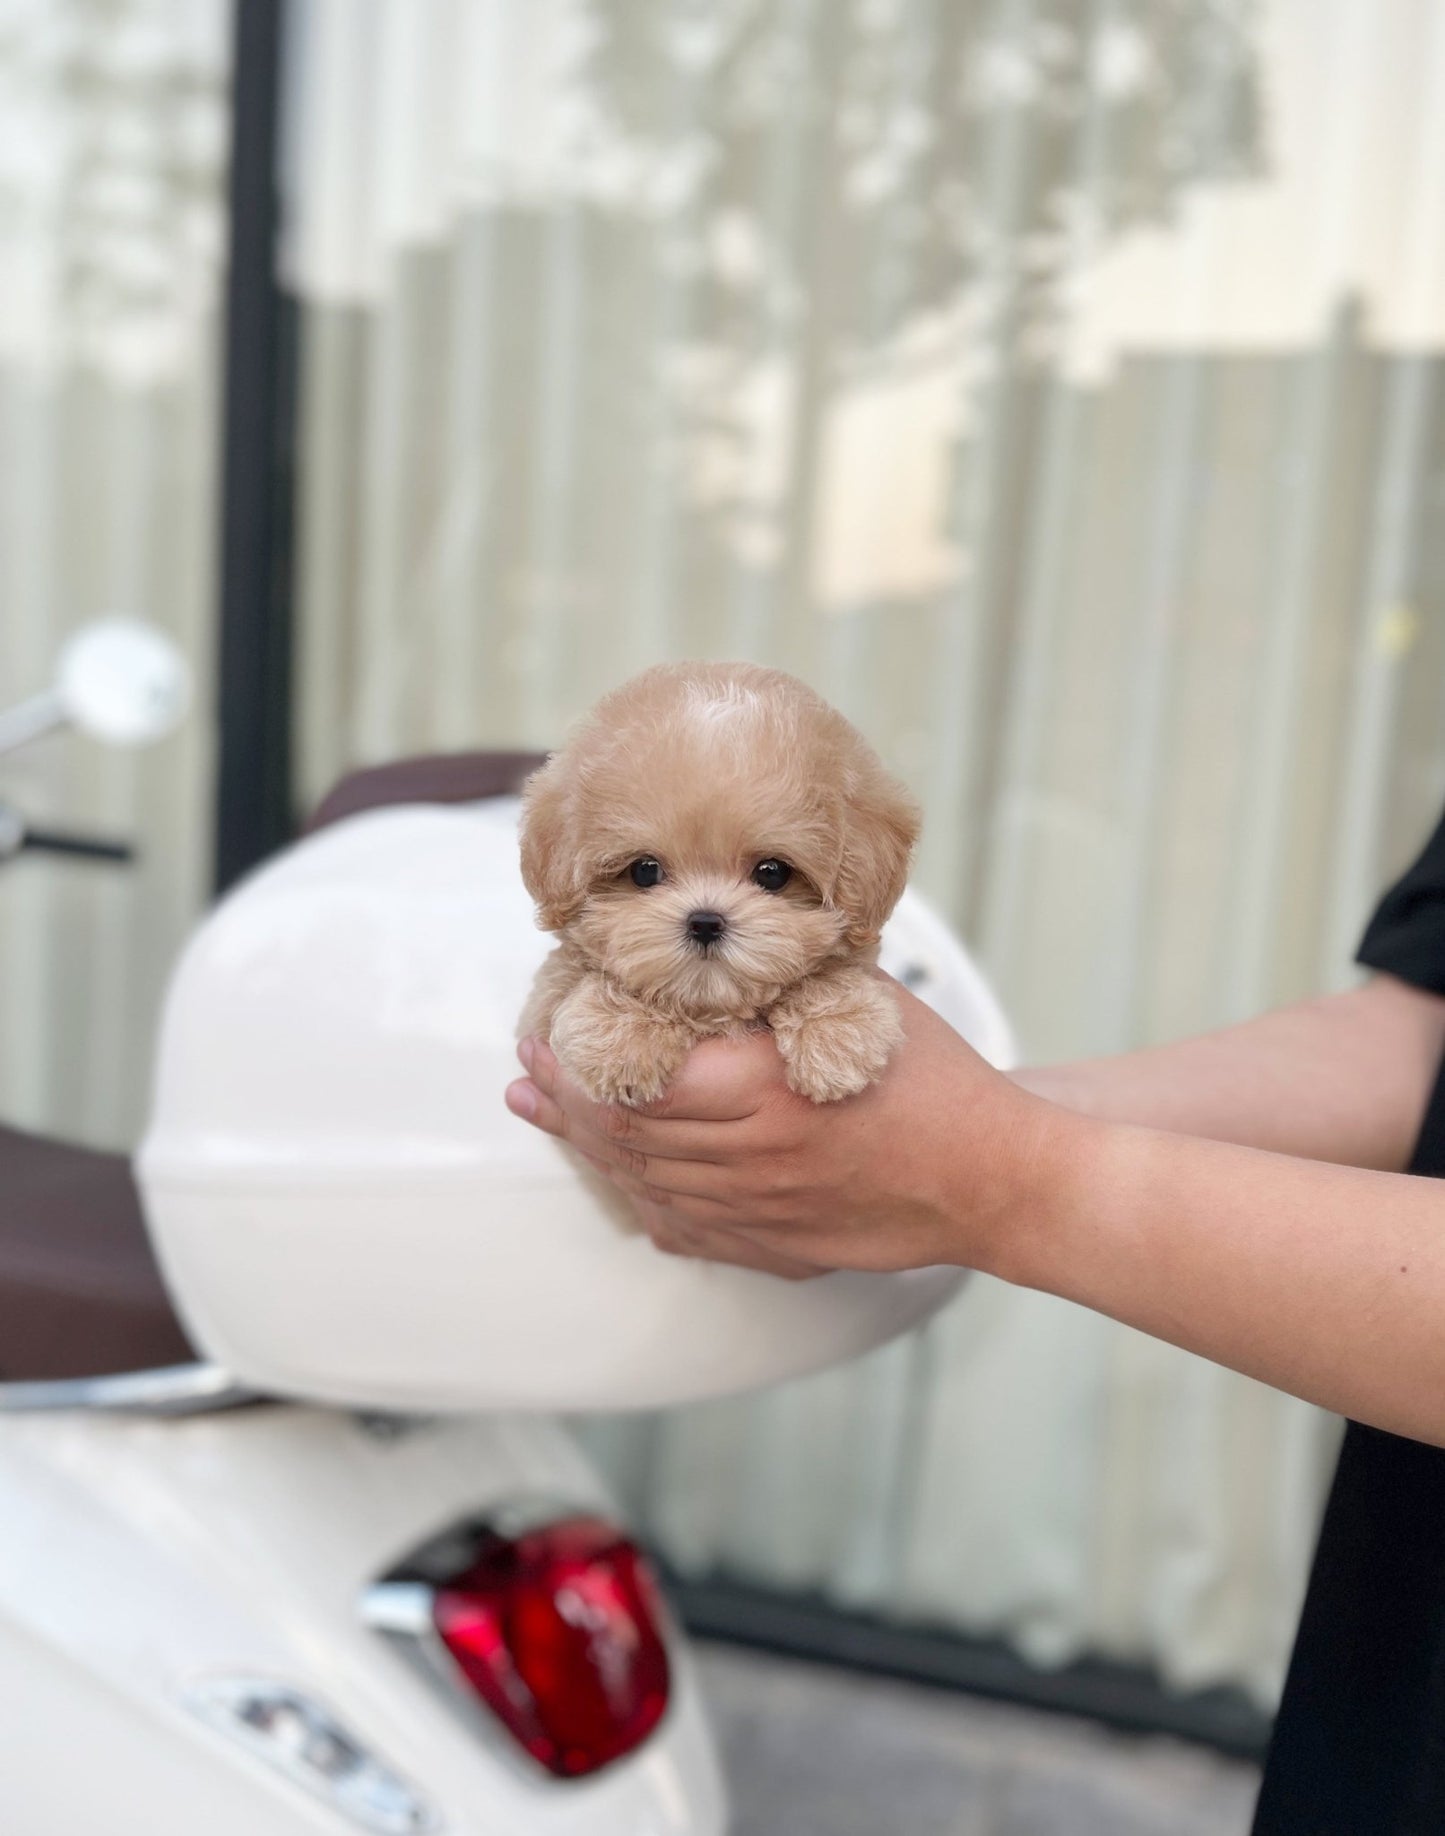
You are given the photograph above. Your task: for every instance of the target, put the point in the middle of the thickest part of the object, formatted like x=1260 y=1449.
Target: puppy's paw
x=617 y=1054
x=632 y=1079
x=837 y=1042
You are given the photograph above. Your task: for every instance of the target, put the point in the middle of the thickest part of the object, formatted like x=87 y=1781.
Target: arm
x=1323 y=1280
x=1344 y=1078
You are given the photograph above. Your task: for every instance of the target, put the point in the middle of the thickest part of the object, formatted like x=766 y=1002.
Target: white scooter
x=287 y=1543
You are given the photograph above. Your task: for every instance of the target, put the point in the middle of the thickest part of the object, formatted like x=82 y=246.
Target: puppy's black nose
x=705 y=927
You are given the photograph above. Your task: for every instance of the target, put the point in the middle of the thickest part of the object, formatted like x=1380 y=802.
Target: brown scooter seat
x=81 y=1294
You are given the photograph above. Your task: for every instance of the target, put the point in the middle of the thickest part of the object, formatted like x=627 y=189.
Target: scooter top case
x=345 y=1210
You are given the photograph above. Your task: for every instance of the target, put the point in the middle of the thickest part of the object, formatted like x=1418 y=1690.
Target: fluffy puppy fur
x=717 y=850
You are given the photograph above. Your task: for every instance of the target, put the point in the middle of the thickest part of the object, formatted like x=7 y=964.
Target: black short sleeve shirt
x=1359 y=1742
x=1406 y=936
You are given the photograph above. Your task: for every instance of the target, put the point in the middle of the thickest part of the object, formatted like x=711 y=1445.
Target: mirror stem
x=30 y=719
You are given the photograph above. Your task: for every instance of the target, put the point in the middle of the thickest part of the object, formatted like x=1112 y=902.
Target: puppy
x=717 y=850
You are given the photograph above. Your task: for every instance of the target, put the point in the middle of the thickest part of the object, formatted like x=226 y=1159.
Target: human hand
x=934 y=1163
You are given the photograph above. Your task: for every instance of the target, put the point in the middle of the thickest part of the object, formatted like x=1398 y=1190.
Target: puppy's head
x=711 y=834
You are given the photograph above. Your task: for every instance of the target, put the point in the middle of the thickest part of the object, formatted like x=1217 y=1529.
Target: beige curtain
x=112 y=155
x=1053 y=383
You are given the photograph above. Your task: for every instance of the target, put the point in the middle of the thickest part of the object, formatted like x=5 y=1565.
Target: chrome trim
x=178 y=1389
x=306 y=1743
x=400 y=1607
x=401 y=1612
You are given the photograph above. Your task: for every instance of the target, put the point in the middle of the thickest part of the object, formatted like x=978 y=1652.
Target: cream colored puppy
x=717 y=850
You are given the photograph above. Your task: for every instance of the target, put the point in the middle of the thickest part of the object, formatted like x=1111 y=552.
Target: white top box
x=345 y=1210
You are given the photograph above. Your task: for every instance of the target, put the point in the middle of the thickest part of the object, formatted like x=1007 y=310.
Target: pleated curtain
x=1054 y=383
x=113 y=141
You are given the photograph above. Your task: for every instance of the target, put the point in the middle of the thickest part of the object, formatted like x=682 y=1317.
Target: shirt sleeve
x=1406 y=936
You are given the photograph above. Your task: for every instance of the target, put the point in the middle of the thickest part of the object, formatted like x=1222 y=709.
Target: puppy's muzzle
x=705 y=928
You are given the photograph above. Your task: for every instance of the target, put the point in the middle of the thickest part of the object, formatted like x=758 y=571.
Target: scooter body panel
x=144 y=1562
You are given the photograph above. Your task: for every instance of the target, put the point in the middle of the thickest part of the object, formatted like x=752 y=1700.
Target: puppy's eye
x=646 y=872
x=772 y=876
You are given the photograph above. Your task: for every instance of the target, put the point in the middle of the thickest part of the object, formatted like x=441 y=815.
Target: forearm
x=1344 y=1078
x=1325 y=1281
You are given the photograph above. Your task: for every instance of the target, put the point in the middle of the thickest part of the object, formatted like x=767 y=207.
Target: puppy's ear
x=551 y=861
x=880 y=826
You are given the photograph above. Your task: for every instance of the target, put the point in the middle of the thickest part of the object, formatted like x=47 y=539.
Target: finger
x=722 y=1080
x=533 y=1105
x=702 y=1215
x=619 y=1132
x=547 y=1075
x=610 y=1154
x=663 y=1182
x=552 y=1102
x=676 y=1235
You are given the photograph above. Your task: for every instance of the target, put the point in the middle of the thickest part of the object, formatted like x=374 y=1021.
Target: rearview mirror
x=122 y=682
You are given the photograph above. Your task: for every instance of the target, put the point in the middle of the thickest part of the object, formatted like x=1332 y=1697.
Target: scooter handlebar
x=86 y=847
x=16 y=837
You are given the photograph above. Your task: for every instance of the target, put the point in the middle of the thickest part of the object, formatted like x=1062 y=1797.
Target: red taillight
x=557 y=1630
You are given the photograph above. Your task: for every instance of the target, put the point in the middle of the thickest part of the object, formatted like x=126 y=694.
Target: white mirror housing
x=122 y=682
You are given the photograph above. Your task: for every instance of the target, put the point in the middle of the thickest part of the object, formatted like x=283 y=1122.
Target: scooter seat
x=80 y=1291
x=439 y=777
